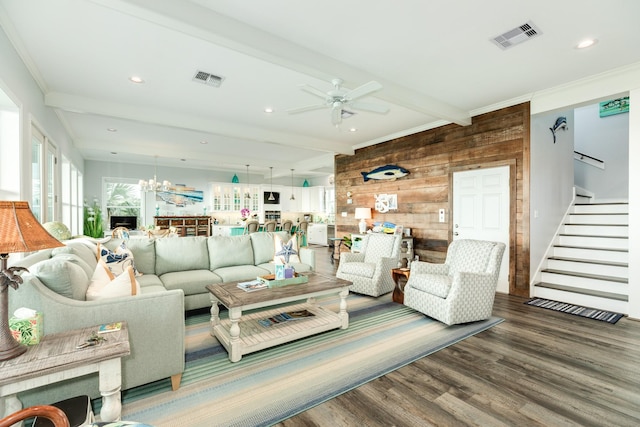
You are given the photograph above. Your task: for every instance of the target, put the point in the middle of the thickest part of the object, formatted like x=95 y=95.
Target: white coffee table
x=242 y=333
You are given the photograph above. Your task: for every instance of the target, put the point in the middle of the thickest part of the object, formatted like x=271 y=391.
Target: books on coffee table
x=286 y=317
x=253 y=285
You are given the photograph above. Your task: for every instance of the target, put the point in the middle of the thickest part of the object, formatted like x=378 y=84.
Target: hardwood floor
x=537 y=368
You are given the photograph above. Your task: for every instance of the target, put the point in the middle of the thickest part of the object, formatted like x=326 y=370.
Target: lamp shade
x=363 y=213
x=20 y=231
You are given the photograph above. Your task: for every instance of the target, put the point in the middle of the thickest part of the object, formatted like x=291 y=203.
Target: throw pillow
x=117 y=261
x=62 y=277
x=286 y=253
x=105 y=285
x=72 y=257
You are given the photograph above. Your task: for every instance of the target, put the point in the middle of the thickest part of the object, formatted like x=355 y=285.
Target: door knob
x=456 y=233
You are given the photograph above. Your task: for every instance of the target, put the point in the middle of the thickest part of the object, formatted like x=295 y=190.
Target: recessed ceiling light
x=204 y=142
x=136 y=79
x=268 y=110
x=353 y=130
x=113 y=152
x=112 y=129
x=183 y=160
x=586 y=43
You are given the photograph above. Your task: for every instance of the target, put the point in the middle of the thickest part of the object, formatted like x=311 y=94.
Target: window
x=37 y=142
x=10 y=148
x=122 y=198
x=72 y=197
x=44 y=176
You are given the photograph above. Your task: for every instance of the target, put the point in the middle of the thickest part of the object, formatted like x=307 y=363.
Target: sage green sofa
x=174 y=271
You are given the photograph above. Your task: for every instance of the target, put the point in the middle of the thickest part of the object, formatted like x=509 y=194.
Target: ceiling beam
x=198 y=21
x=78 y=104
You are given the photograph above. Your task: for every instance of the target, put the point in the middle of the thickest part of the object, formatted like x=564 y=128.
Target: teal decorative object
x=235 y=179
x=305 y=183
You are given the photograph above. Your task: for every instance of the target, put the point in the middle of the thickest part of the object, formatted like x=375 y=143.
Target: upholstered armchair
x=370 y=270
x=463 y=288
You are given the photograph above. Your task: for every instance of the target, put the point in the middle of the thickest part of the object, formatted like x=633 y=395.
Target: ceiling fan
x=338 y=98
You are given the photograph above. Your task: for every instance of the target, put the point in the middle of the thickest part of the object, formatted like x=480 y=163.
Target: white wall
x=607 y=139
x=26 y=93
x=551 y=180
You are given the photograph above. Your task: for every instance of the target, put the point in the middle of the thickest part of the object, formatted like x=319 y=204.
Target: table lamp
x=363 y=214
x=20 y=231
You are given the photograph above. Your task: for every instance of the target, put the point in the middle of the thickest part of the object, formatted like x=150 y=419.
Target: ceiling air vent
x=516 y=36
x=208 y=79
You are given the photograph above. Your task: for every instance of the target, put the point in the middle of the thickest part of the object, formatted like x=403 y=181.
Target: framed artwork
x=615 y=106
x=386 y=202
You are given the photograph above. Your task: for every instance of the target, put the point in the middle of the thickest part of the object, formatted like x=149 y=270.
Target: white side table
x=56 y=358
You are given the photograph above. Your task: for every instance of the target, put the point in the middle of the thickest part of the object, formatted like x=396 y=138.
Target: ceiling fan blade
x=307 y=108
x=313 y=91
x=336 y=115
x=363 y=90
x=366 y=106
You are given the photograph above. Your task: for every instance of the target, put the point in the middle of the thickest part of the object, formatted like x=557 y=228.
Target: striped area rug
x=577 y=310
x=266 y=387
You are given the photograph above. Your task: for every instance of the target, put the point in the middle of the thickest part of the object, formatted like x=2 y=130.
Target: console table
x=185 y=225
x=57 y=358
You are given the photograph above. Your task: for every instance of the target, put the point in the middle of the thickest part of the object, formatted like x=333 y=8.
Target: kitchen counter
x=317 y=234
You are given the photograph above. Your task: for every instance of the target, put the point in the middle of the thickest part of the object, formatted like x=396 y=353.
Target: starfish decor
x=286 y=251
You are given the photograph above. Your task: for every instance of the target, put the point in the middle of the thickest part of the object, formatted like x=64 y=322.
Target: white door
x=481 y=210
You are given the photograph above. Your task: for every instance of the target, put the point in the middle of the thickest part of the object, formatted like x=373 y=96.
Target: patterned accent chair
x=463 y=288
x=370 y=270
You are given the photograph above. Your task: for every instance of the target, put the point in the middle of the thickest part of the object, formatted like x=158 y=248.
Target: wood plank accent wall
x=493 y=139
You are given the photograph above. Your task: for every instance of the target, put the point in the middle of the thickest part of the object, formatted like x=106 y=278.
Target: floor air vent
x=516 y=36
x=208 y=79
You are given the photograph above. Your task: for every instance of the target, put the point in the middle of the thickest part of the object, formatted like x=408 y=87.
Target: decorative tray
x=271 y=281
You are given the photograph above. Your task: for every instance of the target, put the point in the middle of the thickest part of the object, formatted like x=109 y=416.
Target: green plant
x=93 y=220
x=346 y=240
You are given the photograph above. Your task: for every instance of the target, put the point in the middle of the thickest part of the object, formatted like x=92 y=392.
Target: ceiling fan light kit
x=338 y=98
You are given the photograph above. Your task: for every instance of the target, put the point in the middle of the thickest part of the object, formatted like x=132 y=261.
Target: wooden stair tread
x=590 y=248
x=589 y=261
x=589 y=292
x=587 y=275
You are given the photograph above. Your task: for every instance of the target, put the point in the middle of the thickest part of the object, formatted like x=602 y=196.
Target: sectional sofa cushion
x=225 y=251
x=144 y=255
x=177 y=254
x=81 y=248
x=63 y=277
x=240 y=272
x=72 y=257
x=191 y=281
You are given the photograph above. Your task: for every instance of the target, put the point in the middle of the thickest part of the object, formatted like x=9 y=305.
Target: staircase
x=588 y=264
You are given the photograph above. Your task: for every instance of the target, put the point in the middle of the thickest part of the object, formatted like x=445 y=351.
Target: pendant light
x=271 y=198
x=247 y=195
x=292 y=196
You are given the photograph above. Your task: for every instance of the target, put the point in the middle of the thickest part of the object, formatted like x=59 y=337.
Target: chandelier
x=153 y=184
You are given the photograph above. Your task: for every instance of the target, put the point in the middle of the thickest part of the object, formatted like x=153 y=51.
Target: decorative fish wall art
x=389 y=172
x=561 y=123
